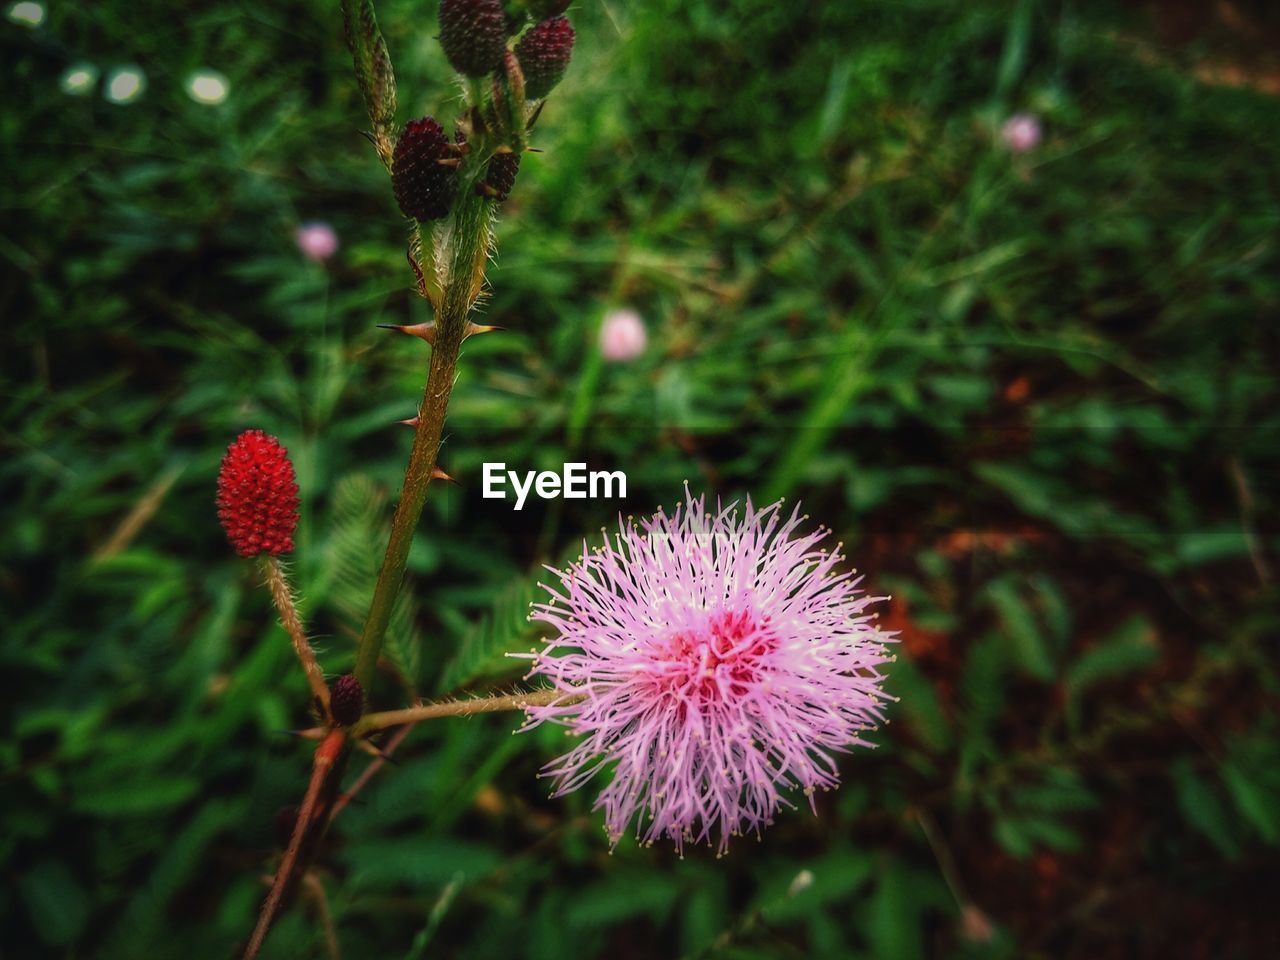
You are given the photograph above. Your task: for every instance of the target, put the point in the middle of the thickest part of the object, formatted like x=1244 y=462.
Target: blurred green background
x=1034 y=393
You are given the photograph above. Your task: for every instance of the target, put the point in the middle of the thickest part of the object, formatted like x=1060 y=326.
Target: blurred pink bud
x=622 y=336
x=317 y=241
x=1021 y=132
x=975 y=926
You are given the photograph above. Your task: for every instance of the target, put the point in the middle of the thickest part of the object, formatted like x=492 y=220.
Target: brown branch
x=325 y=763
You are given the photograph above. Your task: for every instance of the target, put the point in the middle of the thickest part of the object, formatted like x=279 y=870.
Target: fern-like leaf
x=357 y=542
x=482 y=652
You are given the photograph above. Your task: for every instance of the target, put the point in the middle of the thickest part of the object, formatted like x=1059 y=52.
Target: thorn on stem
x=423 y=331
x=314 y=733
x=537 y=112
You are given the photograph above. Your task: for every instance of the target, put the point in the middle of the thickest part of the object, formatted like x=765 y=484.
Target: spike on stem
x=427 y=331
x=423 y=331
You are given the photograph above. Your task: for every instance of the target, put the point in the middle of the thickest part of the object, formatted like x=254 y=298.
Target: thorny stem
x=459 y=708
x=325 y=764
x=458 y=254
x=465 y=248
x=281 y=593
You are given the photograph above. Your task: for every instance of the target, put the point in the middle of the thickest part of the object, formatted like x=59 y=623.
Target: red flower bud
x=544 y=53
x=258 y=495
x=424 y=187
x=346 y=700
x=473 y=34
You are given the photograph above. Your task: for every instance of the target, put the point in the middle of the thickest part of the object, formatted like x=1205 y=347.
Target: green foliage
x=482 y=653
x=358 y=530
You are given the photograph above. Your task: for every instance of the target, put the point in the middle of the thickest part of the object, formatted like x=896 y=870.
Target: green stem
x=465 y=247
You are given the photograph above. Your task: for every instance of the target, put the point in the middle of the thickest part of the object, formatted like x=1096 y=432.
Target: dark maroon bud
x=423 y=186
x=346 y=700
x=501 y=174
x=544 y=54
x=473 y=34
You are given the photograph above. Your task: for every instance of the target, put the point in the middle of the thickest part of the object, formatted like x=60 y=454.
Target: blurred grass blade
x=1016 y=42
x=373 y=69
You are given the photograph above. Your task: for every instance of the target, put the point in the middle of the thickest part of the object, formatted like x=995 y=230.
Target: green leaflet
x=482 y=652
x=360 y=528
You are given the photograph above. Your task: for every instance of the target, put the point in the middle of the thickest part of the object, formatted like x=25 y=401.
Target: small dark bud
x=473 y=34
x=346 y=700
x=544 y=54
x=423 y=188
x=285 y=823
x=501 y=174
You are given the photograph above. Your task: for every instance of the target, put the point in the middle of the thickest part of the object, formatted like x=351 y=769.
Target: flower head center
x=723 y=659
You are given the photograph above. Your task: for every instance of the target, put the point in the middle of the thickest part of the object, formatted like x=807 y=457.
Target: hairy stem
x=459 y=708
x=464 y=247
x=282 y=594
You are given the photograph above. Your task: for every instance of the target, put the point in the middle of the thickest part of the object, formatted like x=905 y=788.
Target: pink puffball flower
x=1021 y=133
x=622 y=336
x=316 y=241
x=716 y=660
